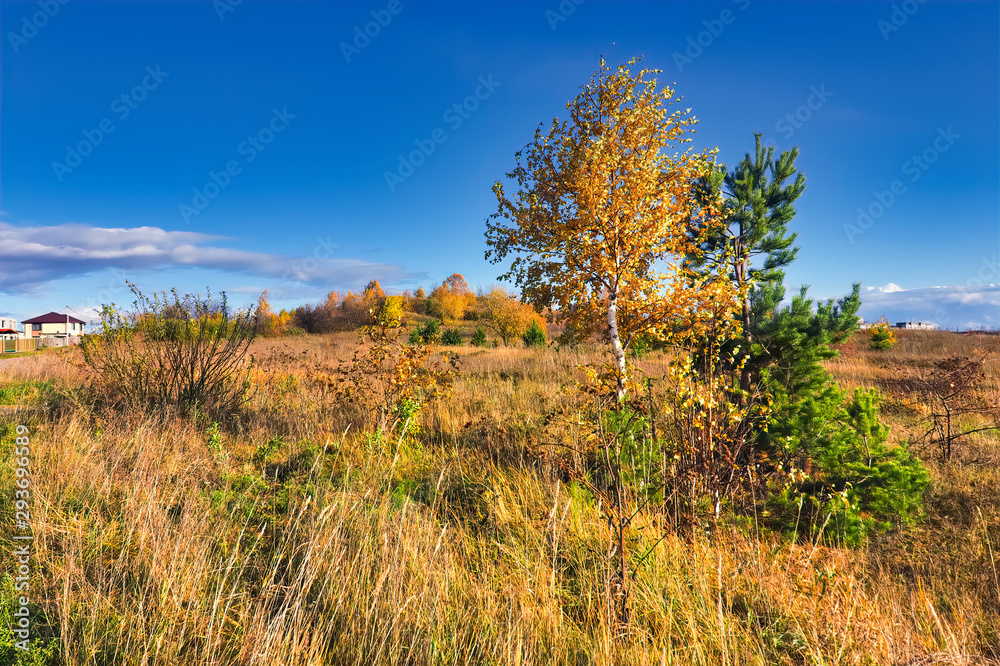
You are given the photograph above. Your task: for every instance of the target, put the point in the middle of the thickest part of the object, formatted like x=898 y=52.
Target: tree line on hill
x=453 y=301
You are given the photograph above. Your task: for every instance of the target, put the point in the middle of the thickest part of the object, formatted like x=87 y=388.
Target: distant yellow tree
x=453 y=298
x=506 y=315
x=355 y=310
x=373 y=292
x=265 y=321
x=390 y=313
x=598 y=225
x=333 y=300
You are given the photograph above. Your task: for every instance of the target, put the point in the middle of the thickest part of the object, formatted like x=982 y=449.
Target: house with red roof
x=53 y=325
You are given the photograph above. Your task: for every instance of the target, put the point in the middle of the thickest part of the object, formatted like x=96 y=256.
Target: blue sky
x=246 y=146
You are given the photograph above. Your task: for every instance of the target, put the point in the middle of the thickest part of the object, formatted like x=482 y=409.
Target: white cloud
x=33 y=256
x=887 y=289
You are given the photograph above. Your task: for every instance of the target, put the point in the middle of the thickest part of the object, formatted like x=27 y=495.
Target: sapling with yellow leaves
x=597 y=226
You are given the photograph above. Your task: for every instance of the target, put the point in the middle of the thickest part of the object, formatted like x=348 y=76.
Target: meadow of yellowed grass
x=293 y=536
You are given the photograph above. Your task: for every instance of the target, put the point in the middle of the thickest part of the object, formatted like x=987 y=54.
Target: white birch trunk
x=616 y=344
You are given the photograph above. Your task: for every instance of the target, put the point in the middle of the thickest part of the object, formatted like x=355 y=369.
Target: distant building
x=13 y=340
x=8 y=329
x=916 y=325
x=54 y=326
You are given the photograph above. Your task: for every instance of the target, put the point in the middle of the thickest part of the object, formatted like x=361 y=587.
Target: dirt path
x=9 y=362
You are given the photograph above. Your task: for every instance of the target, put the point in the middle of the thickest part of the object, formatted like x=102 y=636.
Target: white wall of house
x=46 y=330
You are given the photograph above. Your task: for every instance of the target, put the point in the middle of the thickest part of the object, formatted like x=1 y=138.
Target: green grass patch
x=24 y=392
x=41 y=648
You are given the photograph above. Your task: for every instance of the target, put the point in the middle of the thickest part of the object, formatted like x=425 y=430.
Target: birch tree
x=597 y=225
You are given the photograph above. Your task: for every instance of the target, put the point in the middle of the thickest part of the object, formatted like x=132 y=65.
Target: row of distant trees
x=496 y=309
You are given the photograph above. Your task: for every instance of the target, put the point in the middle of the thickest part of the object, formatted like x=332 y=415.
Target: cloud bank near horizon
x=32 y=256
x=971 y=306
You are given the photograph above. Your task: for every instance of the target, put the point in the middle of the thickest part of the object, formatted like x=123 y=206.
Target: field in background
x=291 y=537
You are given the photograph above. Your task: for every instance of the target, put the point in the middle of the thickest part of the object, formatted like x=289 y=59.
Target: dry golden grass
x=159 y=543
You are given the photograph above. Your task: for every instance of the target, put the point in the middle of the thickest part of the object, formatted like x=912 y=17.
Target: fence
x=20 y=345
x=58 y=341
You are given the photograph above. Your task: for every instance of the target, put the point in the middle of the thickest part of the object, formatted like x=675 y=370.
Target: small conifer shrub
x=534 y=336
x=882 y=336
